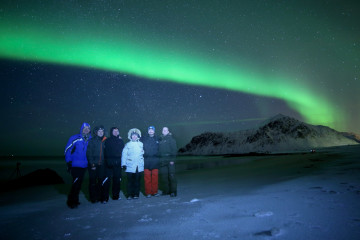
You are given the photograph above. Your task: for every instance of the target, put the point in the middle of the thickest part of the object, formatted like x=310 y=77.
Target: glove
x=69 y=166
x=124 y=167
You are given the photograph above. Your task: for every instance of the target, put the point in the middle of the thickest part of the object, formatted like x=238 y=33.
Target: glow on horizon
x=157 y=62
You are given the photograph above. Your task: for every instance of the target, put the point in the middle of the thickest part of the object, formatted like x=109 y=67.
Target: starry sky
x=193 y=66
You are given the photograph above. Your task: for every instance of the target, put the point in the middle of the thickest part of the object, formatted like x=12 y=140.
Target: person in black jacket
x=151 y=160
x=113 y=149
x=95 y=156
x=167 y=151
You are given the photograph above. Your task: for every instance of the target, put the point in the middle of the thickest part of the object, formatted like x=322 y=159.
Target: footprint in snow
x=272 y=232
x=145 y=218
x=263 y=214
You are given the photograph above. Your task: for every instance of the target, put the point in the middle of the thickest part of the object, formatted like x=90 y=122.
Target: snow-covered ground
x=296 y=196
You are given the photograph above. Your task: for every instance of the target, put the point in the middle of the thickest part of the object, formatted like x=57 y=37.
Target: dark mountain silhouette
x=36 y=178
x=278 y=134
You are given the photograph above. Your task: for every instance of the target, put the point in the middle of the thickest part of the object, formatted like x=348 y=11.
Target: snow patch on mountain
x=278 y=134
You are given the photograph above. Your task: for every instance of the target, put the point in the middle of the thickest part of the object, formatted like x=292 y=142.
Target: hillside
x=278 y=134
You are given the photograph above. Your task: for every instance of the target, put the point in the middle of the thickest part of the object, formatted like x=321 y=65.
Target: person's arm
x=70 y=146
x=68 y=149
x=90 y=155
x=173 y=147
x=105 y=149
x=122 y=145
x=142 y=149
x=124 y=156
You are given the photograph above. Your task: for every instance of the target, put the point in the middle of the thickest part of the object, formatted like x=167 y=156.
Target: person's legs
x=78 y=176
x=147 y=180
x=137 y=183
x=130 y=184
x=92 y=185
x=105 y=181
x=99 y=178
x=172 y=179
x=116 y=187
x=164 y=177
x=154 y=181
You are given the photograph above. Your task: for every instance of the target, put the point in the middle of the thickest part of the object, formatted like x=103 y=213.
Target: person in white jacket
x=132 y=161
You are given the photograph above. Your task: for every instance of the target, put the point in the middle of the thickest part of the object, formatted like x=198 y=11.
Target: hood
x=111 y=131
x=134 y=130
x=82 y=127
x=97 y=128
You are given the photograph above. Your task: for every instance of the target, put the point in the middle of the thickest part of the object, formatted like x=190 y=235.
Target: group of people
x=106 y=158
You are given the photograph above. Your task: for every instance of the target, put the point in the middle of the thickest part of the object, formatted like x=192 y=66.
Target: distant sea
x=13 y=167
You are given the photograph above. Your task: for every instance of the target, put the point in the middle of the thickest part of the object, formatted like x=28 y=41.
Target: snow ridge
x=278 y=134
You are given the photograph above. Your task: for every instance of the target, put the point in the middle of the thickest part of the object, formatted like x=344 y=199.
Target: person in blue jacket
x=77 y=163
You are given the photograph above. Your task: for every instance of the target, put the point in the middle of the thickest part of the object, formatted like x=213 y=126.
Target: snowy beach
x=294 y=196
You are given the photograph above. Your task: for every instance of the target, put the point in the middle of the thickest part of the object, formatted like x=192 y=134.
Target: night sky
x=193 y=66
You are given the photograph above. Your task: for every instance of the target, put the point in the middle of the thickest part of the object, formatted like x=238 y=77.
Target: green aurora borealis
x=159 y=63
x=62 y=38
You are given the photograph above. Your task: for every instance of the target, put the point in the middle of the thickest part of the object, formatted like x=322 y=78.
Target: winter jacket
x=95 y=151
x=76 y=147
x=132 y=156
x=113 y=150
x=167 y=149
x=151 y=149
x=167 y=146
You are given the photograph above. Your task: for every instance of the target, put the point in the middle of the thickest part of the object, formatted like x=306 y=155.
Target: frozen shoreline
x=297 y=196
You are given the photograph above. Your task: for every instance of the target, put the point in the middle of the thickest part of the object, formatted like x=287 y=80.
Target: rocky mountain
x=353 y=136
x=278 y=134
